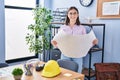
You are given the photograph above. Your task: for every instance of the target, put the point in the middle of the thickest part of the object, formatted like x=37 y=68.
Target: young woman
x=72 y=26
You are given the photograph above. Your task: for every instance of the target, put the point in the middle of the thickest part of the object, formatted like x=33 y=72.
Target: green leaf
x=42 y=18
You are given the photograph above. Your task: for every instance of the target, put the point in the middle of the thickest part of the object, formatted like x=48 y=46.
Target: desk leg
x=90 y=55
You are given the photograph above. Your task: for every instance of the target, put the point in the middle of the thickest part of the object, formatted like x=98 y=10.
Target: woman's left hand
x=95 y=41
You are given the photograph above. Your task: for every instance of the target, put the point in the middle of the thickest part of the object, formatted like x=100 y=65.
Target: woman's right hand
x=54 y=43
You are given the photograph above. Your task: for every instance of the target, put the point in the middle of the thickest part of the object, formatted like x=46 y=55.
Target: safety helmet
x=51 y=69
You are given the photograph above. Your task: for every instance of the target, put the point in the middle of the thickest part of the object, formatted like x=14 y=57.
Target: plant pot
x=18 y=77
x=40 y=56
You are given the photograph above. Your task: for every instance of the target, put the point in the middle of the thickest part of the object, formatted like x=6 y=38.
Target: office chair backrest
x=55 y=54
x=67 y=64
x=3 y=65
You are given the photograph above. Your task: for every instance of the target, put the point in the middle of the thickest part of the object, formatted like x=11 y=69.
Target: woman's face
x=73 y=15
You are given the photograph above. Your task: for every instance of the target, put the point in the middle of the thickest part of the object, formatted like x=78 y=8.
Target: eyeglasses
x=72 y=13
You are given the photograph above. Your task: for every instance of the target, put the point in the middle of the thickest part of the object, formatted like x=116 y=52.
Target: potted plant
x=39 y=32
x=17 y=73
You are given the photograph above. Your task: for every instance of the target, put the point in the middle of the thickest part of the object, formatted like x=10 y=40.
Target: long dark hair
x=67 y=21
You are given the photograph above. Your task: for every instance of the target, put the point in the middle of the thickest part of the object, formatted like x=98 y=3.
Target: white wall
x=48 y=4
x=112 y=38
x=2 y=32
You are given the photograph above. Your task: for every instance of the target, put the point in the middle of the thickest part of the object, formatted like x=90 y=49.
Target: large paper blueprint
x=74 y=46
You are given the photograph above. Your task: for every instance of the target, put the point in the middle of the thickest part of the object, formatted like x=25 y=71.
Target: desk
x=37 y=75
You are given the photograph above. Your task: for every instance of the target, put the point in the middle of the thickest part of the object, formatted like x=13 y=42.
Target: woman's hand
x=54 y=43
x=95 y=41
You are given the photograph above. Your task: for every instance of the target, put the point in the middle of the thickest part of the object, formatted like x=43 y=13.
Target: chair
x=55 y=54
x=3 y=65
x=67 y=64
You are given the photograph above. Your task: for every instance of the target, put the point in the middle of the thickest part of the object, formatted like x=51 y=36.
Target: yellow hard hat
x=51 y=69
